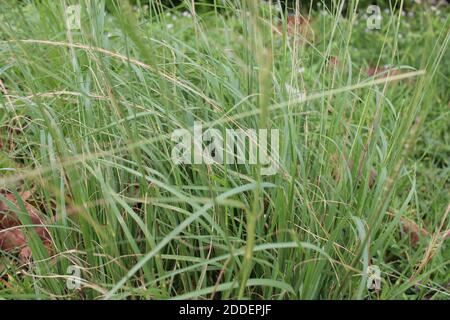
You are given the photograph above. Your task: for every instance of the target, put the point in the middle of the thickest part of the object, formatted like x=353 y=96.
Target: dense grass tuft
x=363 y=180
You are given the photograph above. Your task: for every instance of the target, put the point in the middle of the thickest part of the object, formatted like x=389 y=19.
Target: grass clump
x=87 y=117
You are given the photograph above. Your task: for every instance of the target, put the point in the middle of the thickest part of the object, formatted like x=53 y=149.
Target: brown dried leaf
x=335 y=158
x=384 y=72
x=12 y=238
x=333 y=62
x=414 y=231
x=25 y=254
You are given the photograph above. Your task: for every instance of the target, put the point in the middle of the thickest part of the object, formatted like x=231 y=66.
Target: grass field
x=99 y=209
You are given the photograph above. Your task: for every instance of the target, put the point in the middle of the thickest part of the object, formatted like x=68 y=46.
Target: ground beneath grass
x=93 y=206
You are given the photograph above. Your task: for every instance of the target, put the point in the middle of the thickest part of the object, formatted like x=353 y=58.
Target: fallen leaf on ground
x=12 y=236
x=333 y=62
x=384 y=72
x=298 y=27
x=414 y=231
x=337 y=177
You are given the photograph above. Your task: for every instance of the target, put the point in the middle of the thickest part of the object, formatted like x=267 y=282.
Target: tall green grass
x=95 y=109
